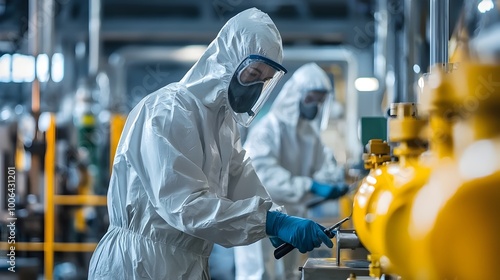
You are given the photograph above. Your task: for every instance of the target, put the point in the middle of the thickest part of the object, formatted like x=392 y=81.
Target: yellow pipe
x=50 y=158
x=23 y=246
x=58 y=246
x=74 y=247
x=90 y=200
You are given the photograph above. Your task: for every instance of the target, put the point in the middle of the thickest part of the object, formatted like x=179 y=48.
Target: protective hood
x=307 y=78
x=181 y=180
x=251 y=32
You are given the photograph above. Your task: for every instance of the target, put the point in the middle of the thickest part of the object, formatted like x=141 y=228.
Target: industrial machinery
x=416 y=215
x=383 y=204
x=335 y=268
x=431 y=181
x=464 y=190
x=372 y=210
x=376 y=192
x=462 y=186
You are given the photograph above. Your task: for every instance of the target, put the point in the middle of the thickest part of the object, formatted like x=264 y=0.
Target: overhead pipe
x=48 y=30
x=40 y=36
x=412 y=16
x=34 y=45
x=388 y=47
x=439 y=31
x=380 y=46
x=380 y=53
x=94 y=37
x=34 y=42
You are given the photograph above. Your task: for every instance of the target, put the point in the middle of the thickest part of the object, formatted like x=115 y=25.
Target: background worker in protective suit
x=293 y=164
x=181 y=181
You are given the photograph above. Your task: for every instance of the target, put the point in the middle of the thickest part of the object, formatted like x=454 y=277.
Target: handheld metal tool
x=286 y=248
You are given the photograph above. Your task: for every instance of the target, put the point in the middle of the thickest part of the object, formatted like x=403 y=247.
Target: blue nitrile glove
x=329 y=191
x=303 y=234
x=276 y=241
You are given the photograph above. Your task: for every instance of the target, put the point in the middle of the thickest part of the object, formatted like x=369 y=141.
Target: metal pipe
x=439 y=31
x=411 y=39
x=394 y=76
x=380 y=49
x=380 y=45
x=47 y=31
x=94 y=36
x=48 y=28
x=34 y=42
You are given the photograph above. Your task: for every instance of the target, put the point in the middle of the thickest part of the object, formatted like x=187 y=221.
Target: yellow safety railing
x=49 y=246
x=50 y=158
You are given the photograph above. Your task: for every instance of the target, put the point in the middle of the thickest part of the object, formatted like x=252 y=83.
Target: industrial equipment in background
x=431 y=162
x=438 y=187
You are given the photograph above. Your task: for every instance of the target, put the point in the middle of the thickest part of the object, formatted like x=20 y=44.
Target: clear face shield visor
x=251 y=85
x=315 y=106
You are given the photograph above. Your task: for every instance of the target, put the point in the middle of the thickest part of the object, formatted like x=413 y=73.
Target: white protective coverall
x=287 y=153
x=181 y=180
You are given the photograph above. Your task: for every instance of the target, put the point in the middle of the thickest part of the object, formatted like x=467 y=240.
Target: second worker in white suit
x=293 y=164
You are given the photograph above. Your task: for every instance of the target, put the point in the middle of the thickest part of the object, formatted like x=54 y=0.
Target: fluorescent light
x=42 y=68
x=366 y=84
x=485 y=6
x=420 y=82
x=190 y=53
x=23 y=68
x=44 y=121
x=57 y=71
x=20 y=68
x=416 y=68
x=5 y=68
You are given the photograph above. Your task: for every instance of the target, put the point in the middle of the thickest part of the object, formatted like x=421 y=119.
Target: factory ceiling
x=190 y=21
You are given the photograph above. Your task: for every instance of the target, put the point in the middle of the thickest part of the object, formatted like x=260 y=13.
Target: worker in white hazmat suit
x=293 y=164
x=181 y=181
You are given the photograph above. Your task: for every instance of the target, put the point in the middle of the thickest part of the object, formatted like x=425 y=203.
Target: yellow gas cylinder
x=454 y=220
x=392 y=227
x=407 y=130
x=371 y=200
x=439 y=104
x=378 y=154
x=376 y=160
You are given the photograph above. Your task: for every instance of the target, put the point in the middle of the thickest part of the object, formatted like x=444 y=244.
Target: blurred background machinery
x=437 y=172
x=71 y=70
